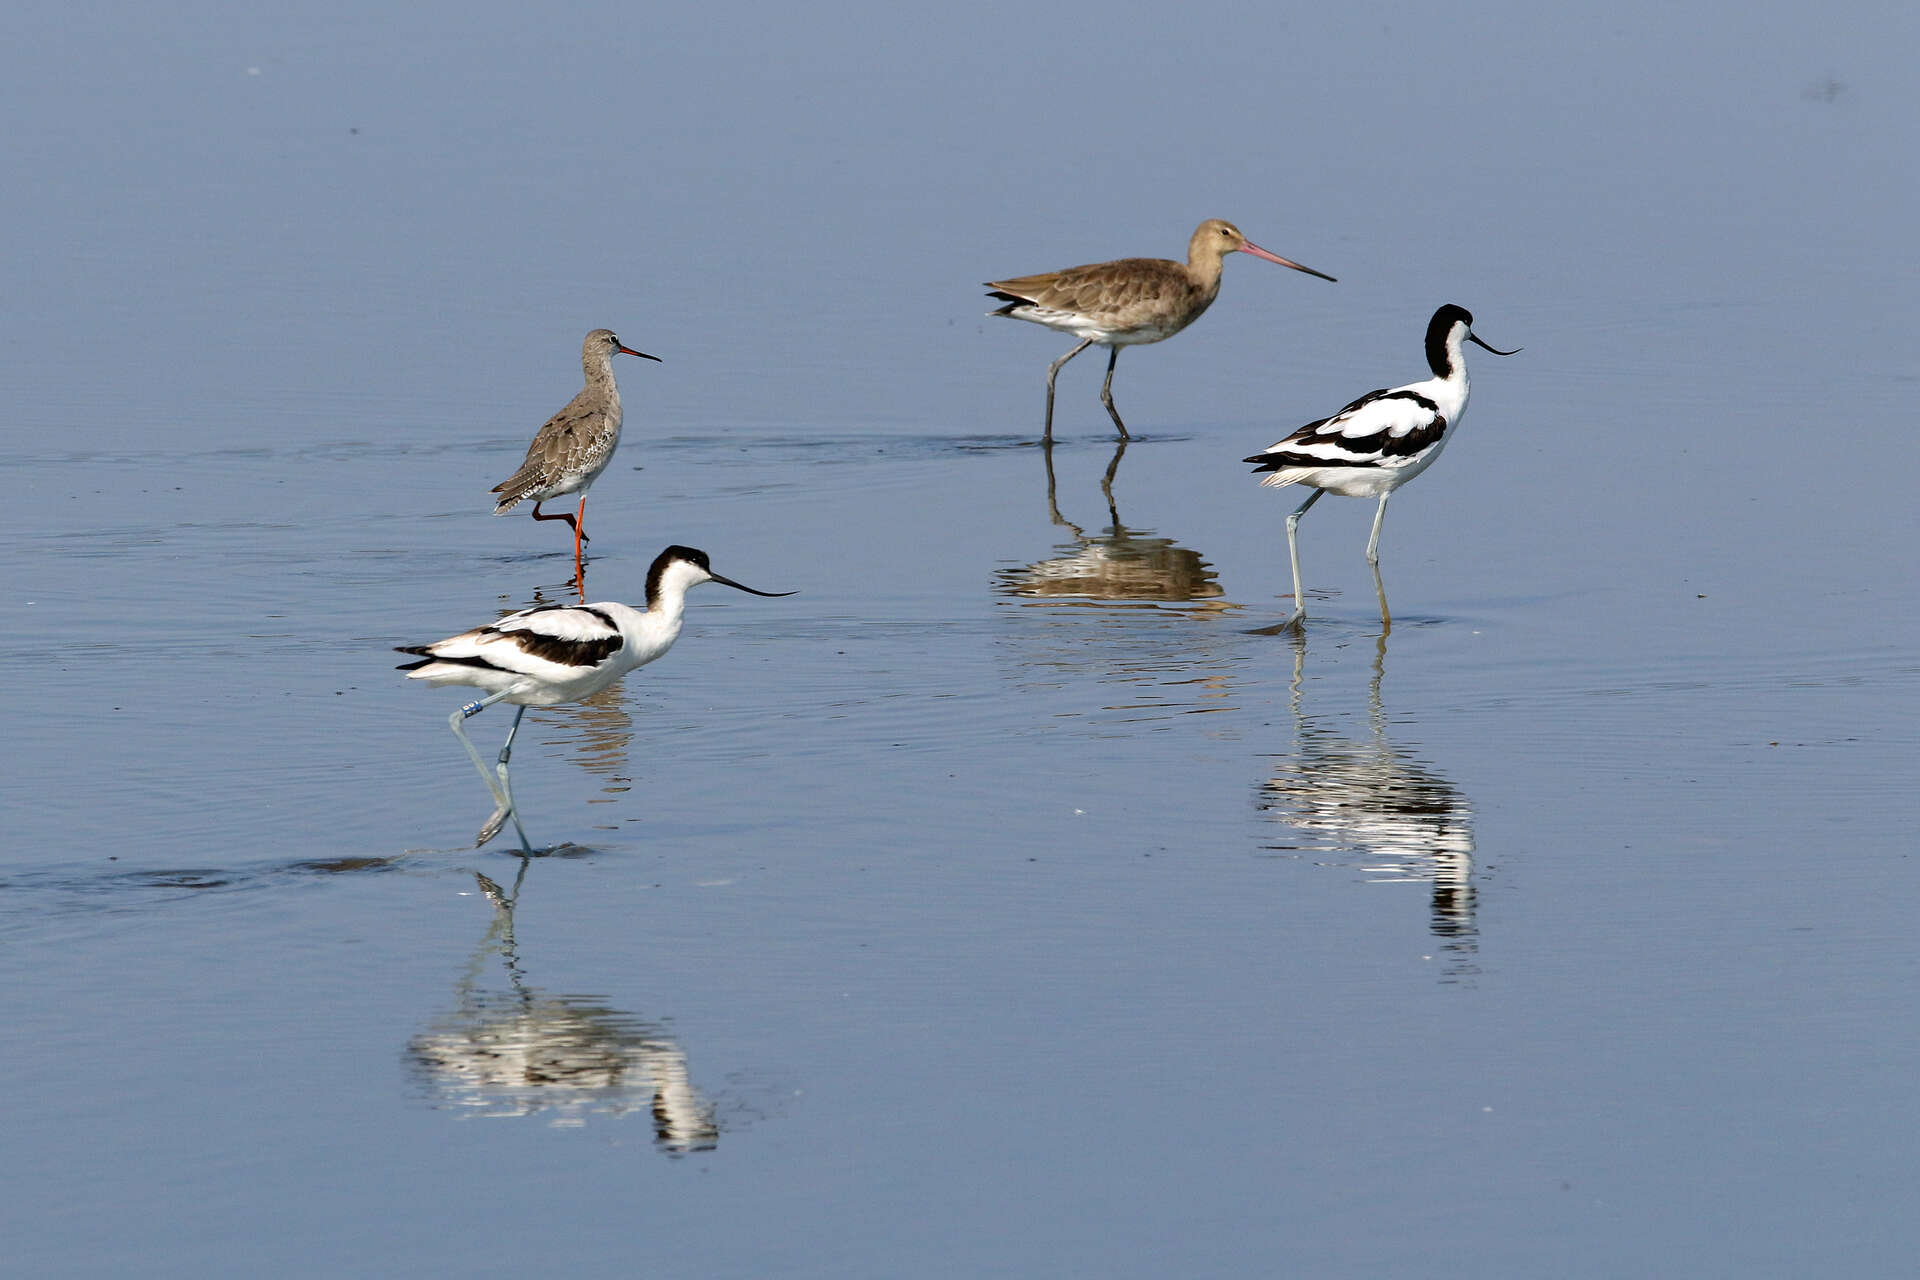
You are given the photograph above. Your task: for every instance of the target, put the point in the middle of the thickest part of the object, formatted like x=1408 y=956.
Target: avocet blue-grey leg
x=1373 y=542
x=502 y=797
x=1106 y=393
x=467 y=712
x=1053 y=371
x=1293 y=555
x=507 y=809
x=1373 y=561
x=1382 y=440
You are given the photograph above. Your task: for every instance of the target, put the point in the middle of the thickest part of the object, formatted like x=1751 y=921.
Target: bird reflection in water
x=1118 y=565
x=600 y=730
x=1368 y=799
x=522 y=1052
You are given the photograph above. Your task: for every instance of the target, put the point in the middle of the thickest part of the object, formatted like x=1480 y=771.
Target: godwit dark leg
x=1053 y=371
x=1106 y=394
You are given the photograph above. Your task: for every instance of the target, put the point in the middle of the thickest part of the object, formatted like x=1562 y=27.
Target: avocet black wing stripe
x=552 y=642
x=565 y=651
x=1378 y=429
x=1381 y=450
x=432 y=660
x=1385 y=442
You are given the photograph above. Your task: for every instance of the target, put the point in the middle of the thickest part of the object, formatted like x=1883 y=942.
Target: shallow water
x=1005 y=902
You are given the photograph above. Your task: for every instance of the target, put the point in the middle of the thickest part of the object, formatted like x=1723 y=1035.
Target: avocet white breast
x=560 y=653
x=1377 y=443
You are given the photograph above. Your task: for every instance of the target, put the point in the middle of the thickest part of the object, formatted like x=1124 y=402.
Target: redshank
x=569 y=453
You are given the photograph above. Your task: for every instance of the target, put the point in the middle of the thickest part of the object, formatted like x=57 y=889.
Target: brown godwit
x=569 y=453
x=1128 y=301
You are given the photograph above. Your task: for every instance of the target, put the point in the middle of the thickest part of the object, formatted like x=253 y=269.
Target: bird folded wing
x=1378 y=426
x=549 y=643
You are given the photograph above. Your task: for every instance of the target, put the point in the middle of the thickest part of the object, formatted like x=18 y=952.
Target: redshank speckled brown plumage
x=569 y=453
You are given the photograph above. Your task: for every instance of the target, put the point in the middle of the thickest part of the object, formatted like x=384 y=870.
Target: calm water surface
x=1005 y=902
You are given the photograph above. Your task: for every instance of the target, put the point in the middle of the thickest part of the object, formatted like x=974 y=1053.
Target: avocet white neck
x=667 y=587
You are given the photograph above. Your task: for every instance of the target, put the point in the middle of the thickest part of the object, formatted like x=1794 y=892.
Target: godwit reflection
x=1120 y=564
x=520 y=1051
x=1366 y=799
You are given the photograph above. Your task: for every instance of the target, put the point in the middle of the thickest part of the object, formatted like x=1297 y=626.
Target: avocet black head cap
x=1441 y=328
x=696 y=560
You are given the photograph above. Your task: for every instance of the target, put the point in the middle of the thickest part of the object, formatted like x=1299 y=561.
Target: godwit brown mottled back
x=1128 y=301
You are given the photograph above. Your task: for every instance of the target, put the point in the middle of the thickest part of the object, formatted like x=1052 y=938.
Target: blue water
x=1004 y=902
